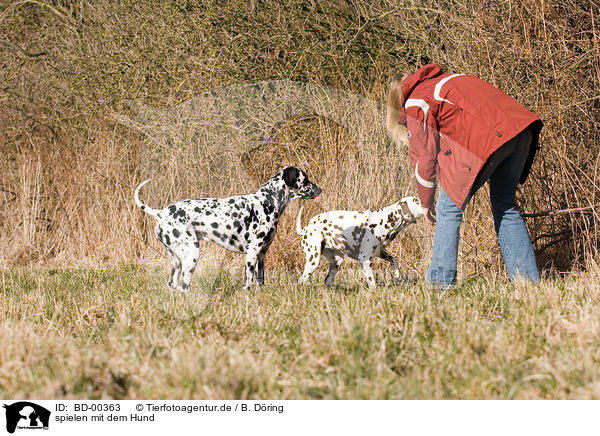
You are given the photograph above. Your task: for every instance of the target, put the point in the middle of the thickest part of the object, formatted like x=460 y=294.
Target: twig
x=144 y=242
x=556 y=212
x=558 y=241
x=551 y=235
x=16 y=47
x=30 y=117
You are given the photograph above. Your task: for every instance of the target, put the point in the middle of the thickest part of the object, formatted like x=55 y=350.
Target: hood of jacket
x=426 y=72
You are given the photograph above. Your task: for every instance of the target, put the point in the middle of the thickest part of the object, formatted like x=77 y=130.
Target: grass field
x=212 y=98
x=120 y=333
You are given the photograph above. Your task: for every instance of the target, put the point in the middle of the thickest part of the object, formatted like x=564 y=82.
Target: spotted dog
x=360 y=235
x=243 y=223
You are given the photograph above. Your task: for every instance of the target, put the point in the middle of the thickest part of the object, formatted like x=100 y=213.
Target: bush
x=75 y=144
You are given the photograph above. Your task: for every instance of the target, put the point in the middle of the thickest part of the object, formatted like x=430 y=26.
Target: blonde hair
x=397 y=132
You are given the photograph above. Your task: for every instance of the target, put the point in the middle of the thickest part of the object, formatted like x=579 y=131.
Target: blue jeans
x=515 y=243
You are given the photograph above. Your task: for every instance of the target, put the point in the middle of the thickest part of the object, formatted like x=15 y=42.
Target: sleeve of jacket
x=423 y=148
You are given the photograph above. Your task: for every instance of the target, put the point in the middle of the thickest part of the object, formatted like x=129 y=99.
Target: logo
x=26 y=415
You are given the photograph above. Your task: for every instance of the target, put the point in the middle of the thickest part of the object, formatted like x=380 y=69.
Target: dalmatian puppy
x=361 y=235
x=243 y=223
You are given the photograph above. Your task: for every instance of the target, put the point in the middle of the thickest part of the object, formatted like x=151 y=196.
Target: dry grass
x=96 y=97
x=211 y=99
x=121 y=334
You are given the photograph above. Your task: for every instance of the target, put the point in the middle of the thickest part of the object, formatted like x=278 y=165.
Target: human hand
x=429 y=214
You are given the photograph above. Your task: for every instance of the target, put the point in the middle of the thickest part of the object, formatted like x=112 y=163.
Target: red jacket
x=455 y=122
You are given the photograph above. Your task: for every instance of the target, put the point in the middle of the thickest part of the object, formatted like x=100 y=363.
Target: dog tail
x=299 y=221
x=147 y=209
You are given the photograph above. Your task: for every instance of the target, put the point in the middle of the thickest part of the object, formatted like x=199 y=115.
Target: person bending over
x=461 y=132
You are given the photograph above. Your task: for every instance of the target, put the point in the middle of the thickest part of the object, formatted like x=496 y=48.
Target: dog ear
x=406 y=213
x=290 y=176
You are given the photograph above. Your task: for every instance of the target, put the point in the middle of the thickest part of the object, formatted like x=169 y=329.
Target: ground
x=120 y=333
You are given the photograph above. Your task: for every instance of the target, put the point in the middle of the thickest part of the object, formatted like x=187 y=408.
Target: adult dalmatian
x=243 y=223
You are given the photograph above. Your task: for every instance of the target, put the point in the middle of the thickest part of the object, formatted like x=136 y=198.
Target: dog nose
x=313 y=192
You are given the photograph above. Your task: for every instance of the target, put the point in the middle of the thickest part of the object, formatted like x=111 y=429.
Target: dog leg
x=188 y=265
x=392 y=260
x=260 y=268
x=365 y=262
x=313 y=254
x=175 y=276
x=335 y=261
x=184 y=248
x=251 y=263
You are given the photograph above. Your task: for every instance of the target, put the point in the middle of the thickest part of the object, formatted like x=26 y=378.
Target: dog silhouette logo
x=26 y=415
